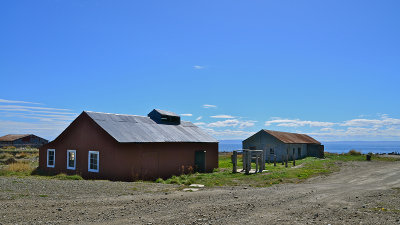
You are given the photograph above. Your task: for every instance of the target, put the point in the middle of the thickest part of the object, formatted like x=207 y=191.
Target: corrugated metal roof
x=140 y=129
x=292 y=138
x=13 y=137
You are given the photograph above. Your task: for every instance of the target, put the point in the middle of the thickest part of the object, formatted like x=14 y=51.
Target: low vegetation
x=17 y=169
x=354 y=152
x=24 y=162
x=305 y=168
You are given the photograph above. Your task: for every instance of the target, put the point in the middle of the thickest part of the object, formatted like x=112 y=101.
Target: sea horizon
x=332 y=146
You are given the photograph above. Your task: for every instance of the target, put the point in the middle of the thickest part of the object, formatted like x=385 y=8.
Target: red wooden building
x=127 y=147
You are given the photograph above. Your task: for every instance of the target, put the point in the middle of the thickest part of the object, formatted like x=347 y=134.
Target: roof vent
x=164 y=117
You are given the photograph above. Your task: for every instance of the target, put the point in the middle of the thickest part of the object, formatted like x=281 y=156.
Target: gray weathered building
x=283 y=143
x=22 y=140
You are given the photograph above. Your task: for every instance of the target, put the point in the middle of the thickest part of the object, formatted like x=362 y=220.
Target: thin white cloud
x=227 y=133
x=207 y=106
x=232 y=123
x=197 y=67
x=225 y=123
x=44 y=129
x=186 y=114
x=199 y=123
x=21 y=107
x=47 y=122
x=245 y=124
x=297 y=123
x=223 y=116
x=199 y=118
x=358 y=133
x=21 y=102
x=383 y=121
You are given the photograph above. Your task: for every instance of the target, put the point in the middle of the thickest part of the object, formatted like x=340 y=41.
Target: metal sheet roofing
x=13 y=137
x=292 y=138
x=141 y=129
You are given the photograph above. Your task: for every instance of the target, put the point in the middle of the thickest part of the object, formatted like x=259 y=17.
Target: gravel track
x=360 y=193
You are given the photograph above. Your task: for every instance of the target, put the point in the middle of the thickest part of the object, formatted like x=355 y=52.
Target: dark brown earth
x=360 y=193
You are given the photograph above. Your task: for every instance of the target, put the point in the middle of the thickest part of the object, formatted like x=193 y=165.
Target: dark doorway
x=200 y=161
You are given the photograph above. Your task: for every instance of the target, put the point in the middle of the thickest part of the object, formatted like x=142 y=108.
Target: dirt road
x=361 y=193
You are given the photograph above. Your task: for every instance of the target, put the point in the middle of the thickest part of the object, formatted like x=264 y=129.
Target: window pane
x=72 y=156
x=93 y=161
x=51 y=158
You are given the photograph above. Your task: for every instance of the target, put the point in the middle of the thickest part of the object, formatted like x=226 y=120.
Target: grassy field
x=23 y=163
x=304 y=169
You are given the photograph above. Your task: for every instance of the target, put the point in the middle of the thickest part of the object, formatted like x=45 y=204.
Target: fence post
x=234 y=162
x=287 y=158
x=246 y=162
x=244 y=159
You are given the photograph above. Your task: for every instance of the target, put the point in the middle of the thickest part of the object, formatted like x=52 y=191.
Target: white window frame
x=74 y=167
x=54 y=159
x=98 y=162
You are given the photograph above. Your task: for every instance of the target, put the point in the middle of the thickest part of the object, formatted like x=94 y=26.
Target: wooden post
x=287 y=158
x=248 y=162
x=234 y=162
x=257 y=160
x=294 y=158
x=244 y=155
x=262 y=160
x=274 y=160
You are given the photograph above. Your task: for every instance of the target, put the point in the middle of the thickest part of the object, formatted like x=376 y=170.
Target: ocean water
x=333 y=147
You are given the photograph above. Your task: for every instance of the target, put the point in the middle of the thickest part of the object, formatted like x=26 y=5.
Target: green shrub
x=63 y=176
x=354 y=152
x=159 y=180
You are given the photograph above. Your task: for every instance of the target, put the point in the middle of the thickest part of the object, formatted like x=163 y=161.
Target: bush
x=159 y=180
x=354 y=152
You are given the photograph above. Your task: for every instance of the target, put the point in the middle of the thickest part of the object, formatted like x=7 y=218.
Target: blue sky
x=326 y=68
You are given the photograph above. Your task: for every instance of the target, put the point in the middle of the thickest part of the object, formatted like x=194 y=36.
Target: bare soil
x=360 y=193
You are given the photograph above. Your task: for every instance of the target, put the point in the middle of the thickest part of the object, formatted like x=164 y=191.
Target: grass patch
x=5 y=155
x=24 y=169
x=17 y=169
x=305 y=168
x=43 y=196
x=21 y=155
x=63 y=176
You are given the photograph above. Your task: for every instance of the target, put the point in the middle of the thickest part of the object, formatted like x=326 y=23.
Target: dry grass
x=21 y=155
x=19 y=167
x=5 y=155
